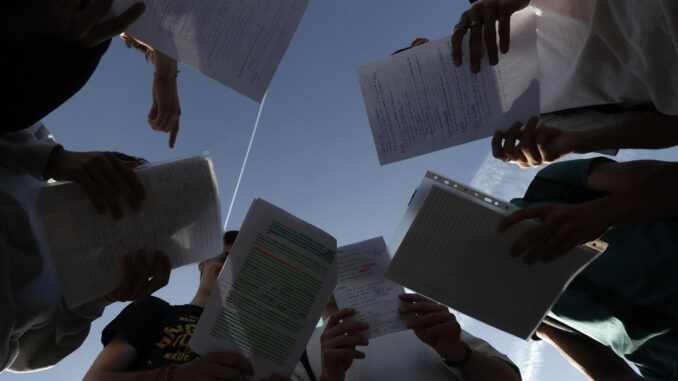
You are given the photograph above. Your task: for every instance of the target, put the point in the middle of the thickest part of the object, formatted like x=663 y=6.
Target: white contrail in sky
x=247 y=154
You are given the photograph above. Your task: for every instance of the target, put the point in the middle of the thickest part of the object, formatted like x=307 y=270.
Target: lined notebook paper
x=180 y=217
x=447 y=248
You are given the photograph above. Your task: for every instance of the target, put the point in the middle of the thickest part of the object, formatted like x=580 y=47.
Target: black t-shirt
x=158 y=331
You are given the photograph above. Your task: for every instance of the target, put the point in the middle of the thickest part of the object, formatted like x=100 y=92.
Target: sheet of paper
x=362 y=286
x=239 y=43
x=418 y=102
x=180 y=217
x=277 y=280
x=447 y=249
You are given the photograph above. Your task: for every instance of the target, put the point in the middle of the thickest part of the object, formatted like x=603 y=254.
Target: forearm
x=165 y=66
x=593 y=359
x=652 y=199
x=652 y=132
x=482 y=367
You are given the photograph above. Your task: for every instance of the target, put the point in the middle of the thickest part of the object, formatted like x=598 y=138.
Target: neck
x=200 y=299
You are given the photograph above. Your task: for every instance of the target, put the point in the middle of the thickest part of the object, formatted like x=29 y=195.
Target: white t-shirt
x=396 y=356
x=595 y=52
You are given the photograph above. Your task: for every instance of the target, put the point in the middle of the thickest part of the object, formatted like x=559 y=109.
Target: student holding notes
x=433 y=347
x=149 y=339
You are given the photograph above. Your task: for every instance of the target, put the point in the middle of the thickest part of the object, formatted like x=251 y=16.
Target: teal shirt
x=627 y=299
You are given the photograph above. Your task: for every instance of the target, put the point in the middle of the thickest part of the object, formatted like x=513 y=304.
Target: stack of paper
x=418 y=102
x=239 y=43
x=362 y=286
x=277 y=280
x=180 y=217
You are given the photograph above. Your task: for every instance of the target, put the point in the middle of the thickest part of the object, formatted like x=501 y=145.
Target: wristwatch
x=464 y=360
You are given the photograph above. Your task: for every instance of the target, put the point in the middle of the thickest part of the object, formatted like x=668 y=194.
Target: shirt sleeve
x=45 y=346
x=136 y=322
x=27 y=150
x=482 y=346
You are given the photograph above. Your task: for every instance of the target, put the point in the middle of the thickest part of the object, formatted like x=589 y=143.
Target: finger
x=104 y=188
x=346 y=341
x=510 y=149
x=90 y=188
x=173 y=134
x=475 y=40
x=337 y=316
x=490 y=32
x=528 y=144
x=344 y=328
x=533 y=236
x=504 y=27
x=497 y=150
x=141 y=276
x=457 y=39
x=343 y=354
x=116 y=178
x=428 y=320
x=522 y=214
x=226 y=373
x=153 y=113
x=421 y=308
x=413 y=298
x=233 y=360
x=554 y=242
x=558 y=252
x=158 y=280
x=130 y=176
x=104 y=30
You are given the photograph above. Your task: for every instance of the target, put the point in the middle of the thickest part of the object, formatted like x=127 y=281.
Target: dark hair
x=126 y=157
x=230 y=236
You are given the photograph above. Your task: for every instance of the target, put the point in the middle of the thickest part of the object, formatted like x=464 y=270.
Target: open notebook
x=180 y=217
x=447 y=248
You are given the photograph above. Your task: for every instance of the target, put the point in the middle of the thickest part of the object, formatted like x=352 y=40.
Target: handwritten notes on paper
x=239 y=43
x=271 y=292
x=418 y=102
x=447 y=249
x=180 y=217
x=361 y=285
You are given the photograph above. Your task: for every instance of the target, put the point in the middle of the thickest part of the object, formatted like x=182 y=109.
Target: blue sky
x=313 y=154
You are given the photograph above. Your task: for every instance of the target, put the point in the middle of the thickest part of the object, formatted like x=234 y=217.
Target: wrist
x=459 y=357
x=582 y=141
x=454 y=353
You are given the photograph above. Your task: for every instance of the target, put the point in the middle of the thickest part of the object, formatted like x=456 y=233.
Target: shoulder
x=135 y=319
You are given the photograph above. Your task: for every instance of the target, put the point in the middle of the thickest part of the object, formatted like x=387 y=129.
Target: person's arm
x=595 y=360
x=563 y=227
x=534 y=144
x=165 y=111
x=437 y=327
x=118 y=355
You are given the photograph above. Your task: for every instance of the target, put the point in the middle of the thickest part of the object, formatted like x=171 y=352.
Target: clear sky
x=313 y=154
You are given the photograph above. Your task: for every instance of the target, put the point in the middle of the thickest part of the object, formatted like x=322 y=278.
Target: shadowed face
x=211 y=268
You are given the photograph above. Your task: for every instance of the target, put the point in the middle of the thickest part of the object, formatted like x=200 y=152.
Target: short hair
x=230 y=236
x=149 y=54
